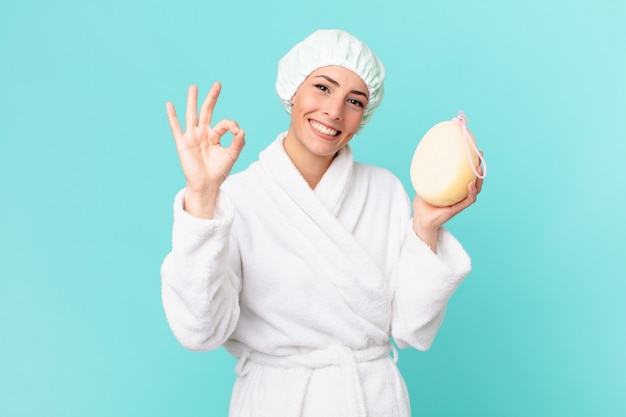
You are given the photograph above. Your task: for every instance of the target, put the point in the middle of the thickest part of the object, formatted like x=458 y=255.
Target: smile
x=323 y=129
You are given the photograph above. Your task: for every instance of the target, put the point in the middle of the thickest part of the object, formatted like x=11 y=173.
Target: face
x=327 y=110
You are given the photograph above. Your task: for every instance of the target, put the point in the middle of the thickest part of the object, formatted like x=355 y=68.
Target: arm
x=424 y=284
x=201 y=278
x=199 y=288
x=432 y=265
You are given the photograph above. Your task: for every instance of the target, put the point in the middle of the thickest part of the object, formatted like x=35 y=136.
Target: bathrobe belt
x=334 y=355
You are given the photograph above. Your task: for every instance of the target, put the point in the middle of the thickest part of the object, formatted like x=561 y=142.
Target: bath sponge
x=445 y=162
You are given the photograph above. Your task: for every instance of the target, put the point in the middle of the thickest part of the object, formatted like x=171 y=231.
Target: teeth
x=323 y=129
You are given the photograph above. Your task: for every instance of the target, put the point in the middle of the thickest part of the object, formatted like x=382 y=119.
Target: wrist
x=200 y=204
x=428 y=234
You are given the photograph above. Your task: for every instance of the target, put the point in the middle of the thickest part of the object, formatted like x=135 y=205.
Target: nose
x=333 y=108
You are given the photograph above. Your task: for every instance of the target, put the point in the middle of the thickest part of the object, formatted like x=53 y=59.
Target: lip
x=322 y=135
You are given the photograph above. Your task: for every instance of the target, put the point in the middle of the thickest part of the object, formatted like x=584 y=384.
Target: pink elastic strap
x=462 y=121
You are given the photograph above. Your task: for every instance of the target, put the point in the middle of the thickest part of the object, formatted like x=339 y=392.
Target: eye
x=322 y=87
x=356 y=102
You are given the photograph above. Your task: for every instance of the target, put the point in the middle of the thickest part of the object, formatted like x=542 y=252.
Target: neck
x=312 y=167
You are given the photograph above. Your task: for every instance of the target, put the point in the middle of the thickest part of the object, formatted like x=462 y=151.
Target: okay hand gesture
x=205 y=162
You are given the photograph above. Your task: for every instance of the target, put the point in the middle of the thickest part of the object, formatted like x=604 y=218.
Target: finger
x=472 y=191
x=192 y=106
x=206 y=112
x=478 y=173
x=467 y=201
x=238 y=143
x=222 y=127
x=174 y=125
x=479 y=185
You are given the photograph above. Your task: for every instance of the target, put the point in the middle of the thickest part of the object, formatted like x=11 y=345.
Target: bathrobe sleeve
x=425 y=282
x=200 y=277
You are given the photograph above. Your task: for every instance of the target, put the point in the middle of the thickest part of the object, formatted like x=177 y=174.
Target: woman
x=305 y=264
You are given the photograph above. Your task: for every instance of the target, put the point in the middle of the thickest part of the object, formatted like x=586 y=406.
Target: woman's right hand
x=205 y=163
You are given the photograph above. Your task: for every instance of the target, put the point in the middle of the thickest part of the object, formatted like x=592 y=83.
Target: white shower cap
x=331 y=47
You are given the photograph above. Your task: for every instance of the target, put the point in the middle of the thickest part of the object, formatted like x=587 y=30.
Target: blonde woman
x=305 y=265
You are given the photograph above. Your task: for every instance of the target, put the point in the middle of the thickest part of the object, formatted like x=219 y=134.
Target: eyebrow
x=330 y=80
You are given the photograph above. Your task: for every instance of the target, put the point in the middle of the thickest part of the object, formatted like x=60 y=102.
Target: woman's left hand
x=428 y=219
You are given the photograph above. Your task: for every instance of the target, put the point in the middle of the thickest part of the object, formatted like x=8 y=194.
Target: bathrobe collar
x=327 y=215
x=330 y=191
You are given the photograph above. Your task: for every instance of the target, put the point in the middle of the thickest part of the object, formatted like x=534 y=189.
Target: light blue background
x=88 y=171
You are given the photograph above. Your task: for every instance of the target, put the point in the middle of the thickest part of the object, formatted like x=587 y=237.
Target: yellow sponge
x=445 y=162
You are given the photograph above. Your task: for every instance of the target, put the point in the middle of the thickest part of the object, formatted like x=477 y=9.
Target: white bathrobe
x=306 y=287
